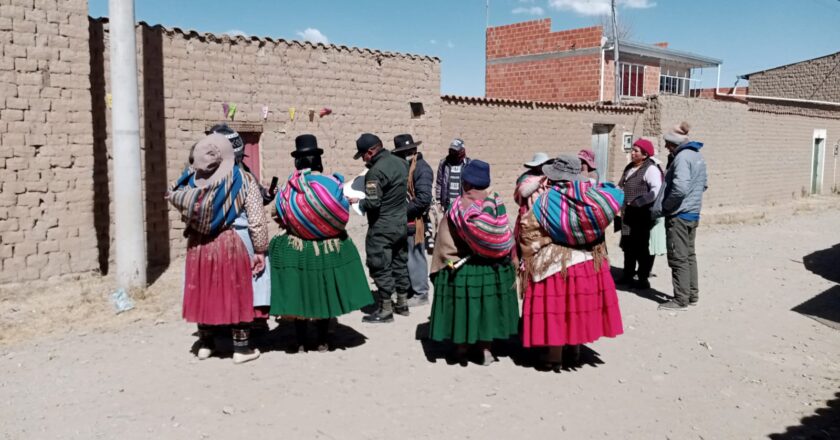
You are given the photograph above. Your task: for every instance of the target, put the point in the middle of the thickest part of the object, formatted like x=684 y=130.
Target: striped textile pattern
x=483 y=226
x=578 y=213
x=211 y=209
x=313 y=206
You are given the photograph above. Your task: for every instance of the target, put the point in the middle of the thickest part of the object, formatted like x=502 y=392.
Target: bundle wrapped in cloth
x=313 y=206
x=577 y=213
x=212 y=208
x=483 y=225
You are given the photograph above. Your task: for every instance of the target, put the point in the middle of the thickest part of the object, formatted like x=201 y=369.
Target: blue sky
x=748 y=35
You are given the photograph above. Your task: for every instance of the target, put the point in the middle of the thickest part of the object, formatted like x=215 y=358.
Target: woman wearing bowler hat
x=211 y=195
x=316 y=271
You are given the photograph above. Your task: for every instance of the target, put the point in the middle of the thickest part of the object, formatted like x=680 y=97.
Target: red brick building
x=528 y=61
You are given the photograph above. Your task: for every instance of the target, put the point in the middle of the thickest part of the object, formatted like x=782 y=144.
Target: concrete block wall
x=185 y=79
x=753 y=158
x=572 y=78
x=506 y=133
x=46 y=165
x=817 y=79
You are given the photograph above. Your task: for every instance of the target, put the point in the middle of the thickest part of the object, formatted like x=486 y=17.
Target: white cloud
x=597 y=7
x=433 y=41
x=235 y=33
x=313 y=35
x=533 y=10
x=449 y=44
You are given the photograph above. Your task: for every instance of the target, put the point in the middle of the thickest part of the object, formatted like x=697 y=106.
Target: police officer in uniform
x=385 y=205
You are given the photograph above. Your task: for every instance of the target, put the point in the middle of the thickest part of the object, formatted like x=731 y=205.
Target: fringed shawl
x=313 y=206
x=578 y=213
x=210 y=209
x=483 y=225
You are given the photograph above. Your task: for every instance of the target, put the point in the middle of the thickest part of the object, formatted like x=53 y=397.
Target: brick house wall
x=817 y=79
x=186 y=77
x=506 y=133
x=46 y=165
x=527 y=61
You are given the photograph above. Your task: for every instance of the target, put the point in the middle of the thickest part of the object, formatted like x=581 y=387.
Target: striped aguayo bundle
x=209 y=210
x=578 y=213
x=483 y=226
x=312 y=206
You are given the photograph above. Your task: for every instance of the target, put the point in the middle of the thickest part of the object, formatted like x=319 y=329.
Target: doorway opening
x=817 y=161
x=601 y=148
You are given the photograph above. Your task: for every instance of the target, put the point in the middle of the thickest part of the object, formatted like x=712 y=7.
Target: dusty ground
x=741 y=365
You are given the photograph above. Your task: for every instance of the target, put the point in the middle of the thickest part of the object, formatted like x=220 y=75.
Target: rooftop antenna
x=487 y=15
x=617 y=99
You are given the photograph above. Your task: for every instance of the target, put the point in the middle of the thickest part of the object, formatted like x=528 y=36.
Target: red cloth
x=217 y=288
x=577 y=309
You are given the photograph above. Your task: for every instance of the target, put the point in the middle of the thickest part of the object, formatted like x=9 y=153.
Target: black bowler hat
x=306 y=145
x=365 y=142
x=404 y=142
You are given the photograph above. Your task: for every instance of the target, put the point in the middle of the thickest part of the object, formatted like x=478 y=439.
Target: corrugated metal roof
x=598 y=106
x=651 y=51
x=189 y=33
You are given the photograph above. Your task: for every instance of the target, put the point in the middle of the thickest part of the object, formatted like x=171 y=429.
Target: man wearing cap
x=680 y=203
x=420 y=179
x=386 y=209
x=448 y=183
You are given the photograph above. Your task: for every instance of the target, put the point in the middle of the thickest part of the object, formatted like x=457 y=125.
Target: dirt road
x=740 y=365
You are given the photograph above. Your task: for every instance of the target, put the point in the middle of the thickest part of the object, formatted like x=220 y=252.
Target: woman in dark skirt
x=218 y=293
x=316 y=271
x=475 y=294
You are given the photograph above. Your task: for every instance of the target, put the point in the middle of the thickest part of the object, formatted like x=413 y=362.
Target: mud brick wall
x=753 y=157
x=186 y=77
x=817 y=79
x=524 y=62
x=506 y=134
x=46 y=161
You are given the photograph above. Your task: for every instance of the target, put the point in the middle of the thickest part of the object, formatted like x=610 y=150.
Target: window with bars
x=632 y=79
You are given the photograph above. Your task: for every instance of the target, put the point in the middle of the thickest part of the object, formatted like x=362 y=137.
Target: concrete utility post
x=617 y=98
x=130 y=239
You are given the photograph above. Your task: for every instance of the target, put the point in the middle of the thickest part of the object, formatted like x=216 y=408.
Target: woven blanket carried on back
x=483 y=225
x=210 y=209
x=578 y=213
x=313 y=206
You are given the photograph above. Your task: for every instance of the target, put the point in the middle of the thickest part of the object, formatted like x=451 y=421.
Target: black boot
x=385 y=313
x=323 y=326
x=242 y=351
x=401 y=307
x=301 y=336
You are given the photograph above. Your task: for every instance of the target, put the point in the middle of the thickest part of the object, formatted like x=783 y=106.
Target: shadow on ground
x=823 y=425
x=283 y=338
x=648 y=294
x=824 y=307
x=512 y=348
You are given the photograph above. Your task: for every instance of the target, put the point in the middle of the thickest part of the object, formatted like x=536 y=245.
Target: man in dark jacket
x=385 y=207
x=448 y=183
x=420 y=179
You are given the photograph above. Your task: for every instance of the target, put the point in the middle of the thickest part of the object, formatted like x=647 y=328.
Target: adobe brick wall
x=753 y=158
x=46 y=165
x=817 y=79
x=507 y=134
x=185 y=79
x=569 y=79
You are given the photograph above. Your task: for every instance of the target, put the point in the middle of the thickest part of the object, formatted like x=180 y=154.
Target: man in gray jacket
x=680 y=203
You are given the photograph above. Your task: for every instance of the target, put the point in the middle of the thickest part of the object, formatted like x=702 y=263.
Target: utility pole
x=617 y=98
x=130 y=238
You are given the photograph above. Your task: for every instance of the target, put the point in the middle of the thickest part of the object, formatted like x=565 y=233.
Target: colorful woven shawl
x=578 y=213
x=483 y=226
x=209 y=210
x=313 y=206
